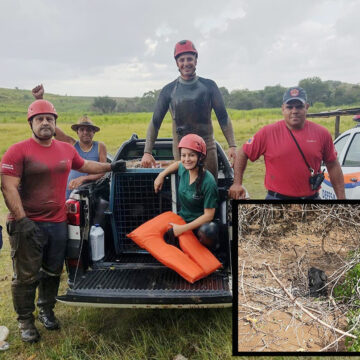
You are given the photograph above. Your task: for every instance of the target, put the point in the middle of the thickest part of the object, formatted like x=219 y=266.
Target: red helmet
x=193 y=142
x=184 y=46
x=41 y=107
x=356 y=117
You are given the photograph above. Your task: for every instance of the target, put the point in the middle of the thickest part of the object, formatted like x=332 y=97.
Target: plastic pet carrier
x=133 y=202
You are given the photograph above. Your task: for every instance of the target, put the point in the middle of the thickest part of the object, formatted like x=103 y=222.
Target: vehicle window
x=339 y=145
x=353 y=154
x=158 y=153
x=163 y=153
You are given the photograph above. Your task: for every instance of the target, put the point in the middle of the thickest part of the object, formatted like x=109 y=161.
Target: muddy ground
x=291 y=239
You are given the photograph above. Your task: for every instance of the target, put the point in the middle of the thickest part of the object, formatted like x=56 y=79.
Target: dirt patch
x=291 y=239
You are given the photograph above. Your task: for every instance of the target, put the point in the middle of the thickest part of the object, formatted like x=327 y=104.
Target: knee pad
x=208 y=235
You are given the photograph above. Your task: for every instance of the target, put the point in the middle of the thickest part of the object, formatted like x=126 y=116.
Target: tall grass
x=116 y=128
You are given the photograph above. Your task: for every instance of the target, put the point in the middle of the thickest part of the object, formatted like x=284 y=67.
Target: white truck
x=347 y=146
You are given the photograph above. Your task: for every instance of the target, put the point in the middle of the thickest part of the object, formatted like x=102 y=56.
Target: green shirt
x=192 y=208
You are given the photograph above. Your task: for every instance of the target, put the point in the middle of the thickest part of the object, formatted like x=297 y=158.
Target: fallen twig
x=242 y=280
x=339 y=338
x=251 y=307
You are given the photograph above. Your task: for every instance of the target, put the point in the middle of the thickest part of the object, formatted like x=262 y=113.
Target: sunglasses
x=297 y=107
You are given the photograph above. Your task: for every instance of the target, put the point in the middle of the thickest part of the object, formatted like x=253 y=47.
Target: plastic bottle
x=97 y=242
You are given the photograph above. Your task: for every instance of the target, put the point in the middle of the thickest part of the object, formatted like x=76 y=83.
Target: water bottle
x=97 y=242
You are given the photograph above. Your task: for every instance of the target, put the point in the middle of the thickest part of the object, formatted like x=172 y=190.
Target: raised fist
x=38 y=92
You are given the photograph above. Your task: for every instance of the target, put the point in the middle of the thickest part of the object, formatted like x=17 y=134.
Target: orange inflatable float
x=193 y=262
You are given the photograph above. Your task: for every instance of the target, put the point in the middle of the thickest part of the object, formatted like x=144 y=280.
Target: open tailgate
x=147 y=287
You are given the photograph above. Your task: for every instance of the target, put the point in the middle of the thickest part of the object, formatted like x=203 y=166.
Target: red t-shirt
x=43 y=172
x=286 y=171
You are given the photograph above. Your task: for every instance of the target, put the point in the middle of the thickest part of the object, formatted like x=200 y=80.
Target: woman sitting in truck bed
x=197 y=193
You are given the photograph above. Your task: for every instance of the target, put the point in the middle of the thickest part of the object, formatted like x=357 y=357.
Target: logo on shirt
x=250 y=141
x=7 y=166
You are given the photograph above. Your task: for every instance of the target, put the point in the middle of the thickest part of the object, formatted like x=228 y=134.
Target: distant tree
x=330 y=93
x=148 y=100
x=317 y=90
x=272 y=96
x=225 y=94
x=345 y=94
x=244 y=99
x=105 y=104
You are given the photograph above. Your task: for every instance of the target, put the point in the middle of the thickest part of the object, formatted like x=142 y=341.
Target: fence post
x=337 y=126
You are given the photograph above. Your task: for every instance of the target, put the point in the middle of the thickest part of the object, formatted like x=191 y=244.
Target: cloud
x=122 y=48
x=220 y=19
x=151 y=46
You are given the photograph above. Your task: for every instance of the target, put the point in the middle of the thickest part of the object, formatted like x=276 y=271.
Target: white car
x=347 y=146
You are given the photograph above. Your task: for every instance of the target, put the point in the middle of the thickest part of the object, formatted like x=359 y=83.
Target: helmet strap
x=201 y=160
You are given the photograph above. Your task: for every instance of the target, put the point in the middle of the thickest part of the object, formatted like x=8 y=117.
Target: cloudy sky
x=125 y=47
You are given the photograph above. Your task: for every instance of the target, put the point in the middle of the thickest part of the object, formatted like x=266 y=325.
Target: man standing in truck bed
x=34 y=173
x=190 y=99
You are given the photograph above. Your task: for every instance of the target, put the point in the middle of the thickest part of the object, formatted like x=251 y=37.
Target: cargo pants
x=38 y=260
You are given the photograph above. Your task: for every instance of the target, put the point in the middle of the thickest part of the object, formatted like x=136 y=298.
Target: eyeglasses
x=297 y=107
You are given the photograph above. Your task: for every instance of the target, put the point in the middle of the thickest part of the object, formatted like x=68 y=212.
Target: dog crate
x=133 y=202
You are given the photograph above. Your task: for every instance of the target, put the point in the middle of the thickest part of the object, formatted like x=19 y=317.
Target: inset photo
x=298 y=277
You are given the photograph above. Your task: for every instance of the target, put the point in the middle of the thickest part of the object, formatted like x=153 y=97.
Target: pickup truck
x=129 y=276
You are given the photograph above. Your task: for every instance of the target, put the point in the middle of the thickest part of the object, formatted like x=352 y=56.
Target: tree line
x=328 y=93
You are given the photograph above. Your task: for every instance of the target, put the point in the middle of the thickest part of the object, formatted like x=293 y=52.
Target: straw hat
x=85 y=121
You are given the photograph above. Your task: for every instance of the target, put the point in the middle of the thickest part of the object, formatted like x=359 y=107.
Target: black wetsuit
x=190 y=104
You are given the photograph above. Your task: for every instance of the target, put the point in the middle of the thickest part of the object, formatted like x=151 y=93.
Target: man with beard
x=86 y=147
x=190 y=99
x=34 y=173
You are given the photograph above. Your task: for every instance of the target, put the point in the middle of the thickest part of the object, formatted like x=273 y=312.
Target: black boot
x=48 y=319
x=23 y=298
x=28 y=331
x=48 y=289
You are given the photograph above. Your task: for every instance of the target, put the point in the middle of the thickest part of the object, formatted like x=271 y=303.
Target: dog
x=317 y=282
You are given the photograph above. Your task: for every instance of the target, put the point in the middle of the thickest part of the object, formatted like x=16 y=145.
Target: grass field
x=128 y=334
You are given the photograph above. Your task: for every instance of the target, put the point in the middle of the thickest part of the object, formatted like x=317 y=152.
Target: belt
x=284 y=197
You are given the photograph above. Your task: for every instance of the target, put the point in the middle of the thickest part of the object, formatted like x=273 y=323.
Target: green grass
x=347 y=292
x=118 y=127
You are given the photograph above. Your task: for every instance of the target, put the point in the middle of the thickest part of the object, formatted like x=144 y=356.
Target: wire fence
x=278 y=245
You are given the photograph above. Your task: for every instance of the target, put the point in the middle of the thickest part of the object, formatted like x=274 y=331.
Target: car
x=347 y=146
x=128 y=276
